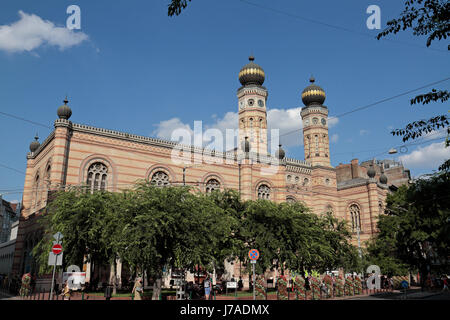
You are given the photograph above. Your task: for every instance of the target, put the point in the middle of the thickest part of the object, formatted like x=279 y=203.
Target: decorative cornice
x=252 y=89
x=324 y=167
x=298 y=169
x=314 y=109
x=229 y=155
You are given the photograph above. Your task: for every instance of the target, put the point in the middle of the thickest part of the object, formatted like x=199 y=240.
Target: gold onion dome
x=64 y=112
x=313 y=94
x=251 y=73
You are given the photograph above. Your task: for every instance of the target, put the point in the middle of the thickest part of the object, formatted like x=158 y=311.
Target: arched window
x=305 y=181
x=212 y=185
x=36 y=190
x=97 y=177
x=355 y=214
x=264 y=192
x=160 y=179
x=47 y=175
x=329 y=209
x=290 y=199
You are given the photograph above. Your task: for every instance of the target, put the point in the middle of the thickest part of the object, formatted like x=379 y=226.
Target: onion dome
x=35 y=144
x=246 y=145
x=251 y=73
x=280 y=154
x=371 y=171
x=313 y=94
x=64 y=112
x=383 y=178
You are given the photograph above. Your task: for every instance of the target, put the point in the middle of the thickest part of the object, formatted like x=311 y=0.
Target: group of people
x=437 y=282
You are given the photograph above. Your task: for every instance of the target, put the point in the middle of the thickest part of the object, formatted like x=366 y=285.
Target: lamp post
x=184 y=172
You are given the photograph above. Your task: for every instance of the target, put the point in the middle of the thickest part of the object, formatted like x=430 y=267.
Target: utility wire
x=340 y=28
x=26 y=120
x=374 y=104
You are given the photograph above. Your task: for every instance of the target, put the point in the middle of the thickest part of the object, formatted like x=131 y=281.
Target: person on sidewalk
x=207 y=285
x=137 y=289
x=66 y=291
x=445 y=286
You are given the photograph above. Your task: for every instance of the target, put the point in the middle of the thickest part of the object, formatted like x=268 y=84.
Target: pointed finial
x=66 y=101
x=312 y=80
x=251 y=58
x=36 y=137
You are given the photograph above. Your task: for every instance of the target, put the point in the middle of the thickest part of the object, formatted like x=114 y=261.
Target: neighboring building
x=102 y=159
x=395 y=172
x=9 y=221
x=9 y=213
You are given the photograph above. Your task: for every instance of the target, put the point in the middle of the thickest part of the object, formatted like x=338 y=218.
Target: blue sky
x=140 y=71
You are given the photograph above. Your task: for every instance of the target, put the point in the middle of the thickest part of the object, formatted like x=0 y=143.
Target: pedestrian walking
x=207 y=285
x=66 y=293
x=138 y=289
x=445 y=284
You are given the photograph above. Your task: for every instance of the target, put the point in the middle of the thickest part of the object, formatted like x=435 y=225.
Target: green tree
x=79 y=216
x=414 y=233
x=429 y=18
x=174 y=228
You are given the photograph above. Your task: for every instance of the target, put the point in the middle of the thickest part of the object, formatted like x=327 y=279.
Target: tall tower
x=315 y=126
x=252 y=98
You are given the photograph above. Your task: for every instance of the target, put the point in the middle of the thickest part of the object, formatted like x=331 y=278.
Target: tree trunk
x=156 y=288
x=114 y=277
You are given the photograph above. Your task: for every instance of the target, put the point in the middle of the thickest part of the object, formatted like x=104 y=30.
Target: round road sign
x=57 y=248
x=253 y=254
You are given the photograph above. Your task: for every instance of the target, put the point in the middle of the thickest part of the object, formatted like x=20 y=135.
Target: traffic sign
x=58 y=236
x=405 y=284
x=55 y=259
x=57 y=249
x=253 y=254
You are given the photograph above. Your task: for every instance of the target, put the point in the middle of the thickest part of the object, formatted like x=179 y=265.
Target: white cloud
x=30 y=32
x=165 y=128
x=287 y=121
x=435 y=134
x=426 y=158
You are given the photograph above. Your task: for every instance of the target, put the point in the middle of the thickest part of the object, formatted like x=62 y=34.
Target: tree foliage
x=152 y=229
x=429 y=18
x=414 y=233
x=426 y=17
x=176 y=6
x=81 y=218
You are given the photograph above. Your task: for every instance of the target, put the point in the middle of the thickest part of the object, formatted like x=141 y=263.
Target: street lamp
x=184 y=172
x=392 y=151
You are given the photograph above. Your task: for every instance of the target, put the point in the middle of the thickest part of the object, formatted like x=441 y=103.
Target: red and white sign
x=253 y=254
x=57 y=248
